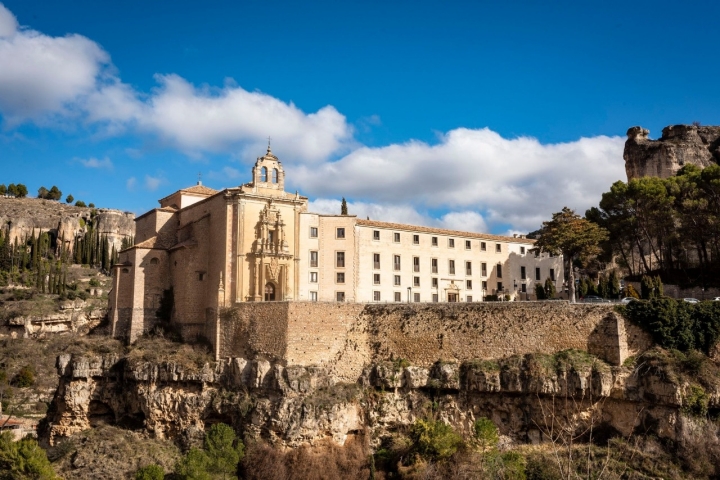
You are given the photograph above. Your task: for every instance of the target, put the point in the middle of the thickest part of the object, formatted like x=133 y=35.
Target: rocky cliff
x=526 y=396
x=679 y=145
x=21 y=216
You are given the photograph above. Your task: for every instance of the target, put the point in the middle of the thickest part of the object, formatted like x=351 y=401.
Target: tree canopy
x=574 y=237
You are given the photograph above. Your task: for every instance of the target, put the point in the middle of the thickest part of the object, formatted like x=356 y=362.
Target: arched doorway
x=269 y=292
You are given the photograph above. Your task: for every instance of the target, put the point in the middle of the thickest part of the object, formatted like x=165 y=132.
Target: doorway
x=452 y=297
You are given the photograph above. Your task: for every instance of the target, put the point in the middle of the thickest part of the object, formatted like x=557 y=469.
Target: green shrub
x=218 y=459
x=434 y=440
x=485 y=433
x=150 y=472
x=676 y=324
x=25 y=377
x=23 y=459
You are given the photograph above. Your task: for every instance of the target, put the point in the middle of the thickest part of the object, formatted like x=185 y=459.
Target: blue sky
x=476 y=115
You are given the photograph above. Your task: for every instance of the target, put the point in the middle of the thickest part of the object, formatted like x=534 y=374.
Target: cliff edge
x=678 y=146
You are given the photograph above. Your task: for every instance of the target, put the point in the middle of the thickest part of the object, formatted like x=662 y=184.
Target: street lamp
x=409 y=289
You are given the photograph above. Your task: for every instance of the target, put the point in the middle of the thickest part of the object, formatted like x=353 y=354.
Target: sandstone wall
x=348 y=336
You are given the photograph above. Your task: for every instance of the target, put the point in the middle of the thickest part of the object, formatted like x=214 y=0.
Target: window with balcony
x=396 y=262
x=433 y=265
x=416 y=264
x=376 y=261
x=468 y=268
x=483 y=269
x=376 y=279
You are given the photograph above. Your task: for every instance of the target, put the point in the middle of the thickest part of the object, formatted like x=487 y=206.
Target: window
x=483 y=269
x=340 y=296
x=396 y=237
x=376 y=261
x=313 y=259
x=416 y=281
x=522 y=273
x=313 y=232
x=396 y=262
x=522 y=250
x=340 y=277
x=434 y=282
x=416 y=264
x=467 y=245
x=313 y=296
x=376 y=279
x=416 y=239
x=376 y=296
x=201 y=276
x=434 y=241
x=483 y=246
x=271 y=237
x=451 y=267
x=468 y=268
x=274 y=175
x=499 y=270
x=468 y=298
x=340 y=233
x=537 y=273
x=376 y=234
x=500 y=287
x=313 y=277
x=484 y=286
x=398 y=297
x=263 y=174
x=498 y=248
x=468 y=284
x=154 y=261
x=451 y=243
x=125 y=270
x=523 y=288
x=433 y=264
x=416 y=297
x=435 y=297
x=397 y=280
x=552 y=274
x=340 y=259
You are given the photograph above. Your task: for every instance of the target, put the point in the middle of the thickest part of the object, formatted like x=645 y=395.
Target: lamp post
x=409 y=289
x=514 y=288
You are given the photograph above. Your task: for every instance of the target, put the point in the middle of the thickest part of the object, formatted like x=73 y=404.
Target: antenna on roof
x=199 y=178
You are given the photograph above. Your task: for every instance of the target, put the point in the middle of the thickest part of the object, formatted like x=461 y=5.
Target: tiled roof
x=200 y=189
x=442 y=231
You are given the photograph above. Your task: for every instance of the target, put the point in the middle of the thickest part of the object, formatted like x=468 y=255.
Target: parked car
x=593 y=299
x=627 y=300
x=716 y=299
x=691 y=300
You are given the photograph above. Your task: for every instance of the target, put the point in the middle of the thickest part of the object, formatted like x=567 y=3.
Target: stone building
x=206 y=249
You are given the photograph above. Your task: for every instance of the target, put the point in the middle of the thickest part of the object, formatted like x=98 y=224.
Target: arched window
x=154 y=261
x=263 y=174
x=274 y=175
x=269 y=292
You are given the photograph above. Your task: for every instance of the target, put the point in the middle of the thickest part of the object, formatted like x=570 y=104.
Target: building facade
x=204 y=250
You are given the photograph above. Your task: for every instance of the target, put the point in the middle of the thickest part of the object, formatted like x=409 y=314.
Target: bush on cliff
x=23 y=459
x=676 y=324
x=219 y=457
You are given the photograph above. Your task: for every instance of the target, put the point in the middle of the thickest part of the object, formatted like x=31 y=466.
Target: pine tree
x=614 y=285
x=343 y=207
x=603 y=287
x=549 y=288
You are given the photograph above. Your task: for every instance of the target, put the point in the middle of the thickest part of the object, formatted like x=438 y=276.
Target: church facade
x=204 y=250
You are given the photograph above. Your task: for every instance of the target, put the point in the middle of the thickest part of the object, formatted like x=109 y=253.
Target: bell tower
x=268 y=173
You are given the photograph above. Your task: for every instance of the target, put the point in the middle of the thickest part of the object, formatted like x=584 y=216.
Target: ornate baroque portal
x=271 y=257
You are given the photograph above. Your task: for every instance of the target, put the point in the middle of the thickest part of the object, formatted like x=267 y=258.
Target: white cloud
x=131 y=183
x=8 y=22
x=152 y=183
x=517 y=182
x=229 y=174
x=43 y=75
x=93 y=162
x=407 y=214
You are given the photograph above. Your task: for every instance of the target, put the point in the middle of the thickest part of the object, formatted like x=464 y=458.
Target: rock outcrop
x=678 y=146
x=290 y=406
x=21 y=216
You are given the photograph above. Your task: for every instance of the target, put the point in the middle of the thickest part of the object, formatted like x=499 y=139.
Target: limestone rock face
x=678 y=146
x=294 y=405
